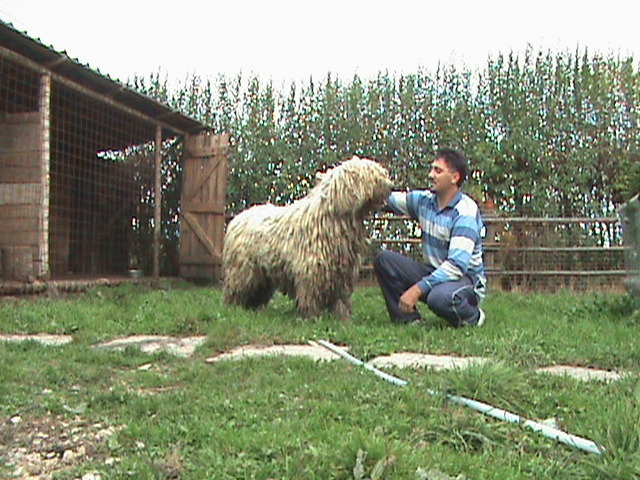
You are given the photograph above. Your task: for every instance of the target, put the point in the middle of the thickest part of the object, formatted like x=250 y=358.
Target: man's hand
x=409 y=299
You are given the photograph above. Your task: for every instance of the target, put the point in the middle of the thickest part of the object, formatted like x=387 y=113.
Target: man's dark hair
x=456 y=161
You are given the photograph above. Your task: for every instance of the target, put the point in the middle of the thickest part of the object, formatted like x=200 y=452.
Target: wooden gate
x=202 y=220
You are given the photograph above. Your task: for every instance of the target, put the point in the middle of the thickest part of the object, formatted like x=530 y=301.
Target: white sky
x=292 y=39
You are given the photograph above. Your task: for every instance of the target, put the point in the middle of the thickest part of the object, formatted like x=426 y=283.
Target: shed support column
x=42 y=262
x=157 y=214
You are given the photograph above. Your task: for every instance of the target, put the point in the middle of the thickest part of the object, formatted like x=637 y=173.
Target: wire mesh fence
x=528 y=254
x=102 y=187
x=78 y=171
x=76 y=176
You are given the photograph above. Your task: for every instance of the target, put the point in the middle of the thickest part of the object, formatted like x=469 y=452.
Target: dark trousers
x=456 y=302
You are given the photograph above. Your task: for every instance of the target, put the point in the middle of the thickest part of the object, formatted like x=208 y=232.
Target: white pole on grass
x=346 y=355
x=546 y=430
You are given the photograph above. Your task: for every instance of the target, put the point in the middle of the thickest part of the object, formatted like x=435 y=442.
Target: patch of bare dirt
x=38 y=448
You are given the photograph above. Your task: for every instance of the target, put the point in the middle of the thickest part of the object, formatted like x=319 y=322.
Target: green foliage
x=547 y=134
x=618 y=433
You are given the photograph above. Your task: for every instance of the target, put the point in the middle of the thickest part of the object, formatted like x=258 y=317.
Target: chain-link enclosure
x=90 y=171
x=100 y=176
x=101 y=187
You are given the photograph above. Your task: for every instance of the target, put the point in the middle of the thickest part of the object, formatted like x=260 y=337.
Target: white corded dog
x=310 y=250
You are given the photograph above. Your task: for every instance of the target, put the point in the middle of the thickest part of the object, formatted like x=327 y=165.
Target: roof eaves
x=60 y=63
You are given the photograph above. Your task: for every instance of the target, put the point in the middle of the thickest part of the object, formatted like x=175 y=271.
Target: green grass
x=293 y=418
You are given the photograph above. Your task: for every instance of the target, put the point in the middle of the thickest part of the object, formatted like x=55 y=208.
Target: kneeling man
x=452 y=281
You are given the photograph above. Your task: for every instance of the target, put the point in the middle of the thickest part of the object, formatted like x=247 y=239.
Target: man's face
x=443 y=179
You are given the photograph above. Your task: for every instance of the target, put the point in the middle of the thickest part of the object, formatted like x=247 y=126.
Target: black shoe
x=410 y=319
x=478 y=323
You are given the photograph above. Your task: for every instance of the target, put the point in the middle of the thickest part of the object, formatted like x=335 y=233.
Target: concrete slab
x=315 y=352
x=43 y=338
x=422 y=360
x=581 y=373
x=186 y=346
x=179 y=346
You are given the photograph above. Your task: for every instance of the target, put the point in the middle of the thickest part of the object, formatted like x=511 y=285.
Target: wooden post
x=157 y=214
x=42 y=269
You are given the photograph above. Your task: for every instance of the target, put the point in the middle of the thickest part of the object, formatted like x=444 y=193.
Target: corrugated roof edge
x=60 y=63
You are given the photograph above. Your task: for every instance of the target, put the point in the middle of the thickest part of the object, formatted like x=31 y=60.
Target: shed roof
x=60 y=64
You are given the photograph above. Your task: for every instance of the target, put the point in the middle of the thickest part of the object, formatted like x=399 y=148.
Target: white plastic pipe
x=344 y=354
x=546 y=430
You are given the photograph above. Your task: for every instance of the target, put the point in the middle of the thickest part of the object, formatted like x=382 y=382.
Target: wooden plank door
x=202 y=220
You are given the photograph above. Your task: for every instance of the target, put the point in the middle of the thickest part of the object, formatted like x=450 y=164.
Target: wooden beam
x=157 y=204
x=201 y=234
x=86 y=91
x=488 y=219
x=42 y=268
x=204 y=207
x=201 y=260
x=558 y=273
x=203 y=177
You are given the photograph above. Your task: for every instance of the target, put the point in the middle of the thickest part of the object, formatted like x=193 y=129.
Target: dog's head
x=355 y=187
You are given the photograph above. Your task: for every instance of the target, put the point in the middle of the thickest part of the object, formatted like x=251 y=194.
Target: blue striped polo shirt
x=451 y=237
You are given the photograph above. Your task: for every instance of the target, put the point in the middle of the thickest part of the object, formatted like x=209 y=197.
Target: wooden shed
x=84 y=164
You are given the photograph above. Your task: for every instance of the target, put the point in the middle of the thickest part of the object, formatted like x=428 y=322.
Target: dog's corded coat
x=310 y=250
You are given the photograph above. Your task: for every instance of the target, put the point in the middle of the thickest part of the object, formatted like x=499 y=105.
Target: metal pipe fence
x=525 y=253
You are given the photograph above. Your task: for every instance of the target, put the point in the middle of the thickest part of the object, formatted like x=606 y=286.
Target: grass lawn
x=157 y=416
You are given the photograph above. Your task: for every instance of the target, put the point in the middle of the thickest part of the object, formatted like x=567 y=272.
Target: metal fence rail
x=526 y=253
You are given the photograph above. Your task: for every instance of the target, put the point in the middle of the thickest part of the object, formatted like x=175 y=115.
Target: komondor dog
x=310 y=250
